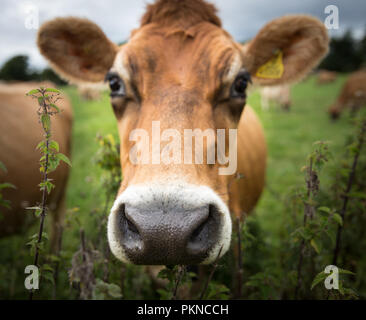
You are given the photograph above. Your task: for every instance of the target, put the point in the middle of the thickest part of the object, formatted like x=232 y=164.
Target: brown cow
x=179 y=72
x=352 y=96
x=280 y=95
x=325 y=76
x=91 y=91
x=20 y=133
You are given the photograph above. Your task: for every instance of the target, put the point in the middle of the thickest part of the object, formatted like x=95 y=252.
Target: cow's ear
x=77 y=49
x=286 y=49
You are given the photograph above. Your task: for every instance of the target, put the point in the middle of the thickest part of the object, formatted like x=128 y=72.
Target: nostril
x=131 y=226
x=130 y=233
x=202 y=237
x=198 y=233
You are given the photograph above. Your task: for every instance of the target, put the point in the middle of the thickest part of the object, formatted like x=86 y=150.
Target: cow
x=325 y=76
x=181 y=72
x=352 y=95
x=91 y=92
x=280 y=95
x=20 y=133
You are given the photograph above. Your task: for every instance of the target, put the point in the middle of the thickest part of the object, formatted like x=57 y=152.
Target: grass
x=290 y=136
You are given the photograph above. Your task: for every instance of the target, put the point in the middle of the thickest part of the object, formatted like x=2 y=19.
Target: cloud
x=242 y=18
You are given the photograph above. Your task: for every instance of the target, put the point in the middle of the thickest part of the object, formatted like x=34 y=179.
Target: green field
x=290 y=137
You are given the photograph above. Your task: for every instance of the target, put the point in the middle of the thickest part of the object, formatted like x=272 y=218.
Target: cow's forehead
x=203 y=52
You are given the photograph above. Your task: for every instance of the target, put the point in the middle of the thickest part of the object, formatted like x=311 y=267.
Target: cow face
x=334 y=112
x=172 y=84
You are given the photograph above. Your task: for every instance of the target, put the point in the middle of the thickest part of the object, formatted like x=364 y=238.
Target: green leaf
x=48 y=185
x=46 y=122
x=324 y=209
x=34 y=91
x=33 y=208
x=318 y=278
x=40 y=100
x=52 y=90
x=337 y=218
x=49 y=277
x=54 y=258
x=114 y=291
x=55 y=107
x=344 y=271
x=53 y=164
x=314 y=245
x=47 y=267
x=7 y=185
x=104 y=290
x=41 y=145
x=5 y=204
x=37 y=212
x=54 y=145
x=2 y=167
x=64 y=158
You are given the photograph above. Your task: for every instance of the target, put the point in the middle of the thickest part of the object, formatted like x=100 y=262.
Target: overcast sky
x=242 y=18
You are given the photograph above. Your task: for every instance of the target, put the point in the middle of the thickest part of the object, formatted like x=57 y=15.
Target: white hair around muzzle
x=172 y=195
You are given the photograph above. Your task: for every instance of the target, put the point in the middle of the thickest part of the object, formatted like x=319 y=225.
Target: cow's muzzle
x=169 y=226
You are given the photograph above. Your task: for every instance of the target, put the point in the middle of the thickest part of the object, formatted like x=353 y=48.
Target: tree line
x=346 y=54
x=17 y=68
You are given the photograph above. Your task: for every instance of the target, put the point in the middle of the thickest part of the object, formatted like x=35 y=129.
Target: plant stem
x=181 y=271
x=306 y=214
x=348 y=189
x=210 y=276
x=44 y=191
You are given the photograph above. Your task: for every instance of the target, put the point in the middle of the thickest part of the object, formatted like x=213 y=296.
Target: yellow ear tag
x=273 y=68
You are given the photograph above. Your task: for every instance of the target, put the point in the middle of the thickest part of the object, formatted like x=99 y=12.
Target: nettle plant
x=91 y=267
x=332 y=218
x=49 y=161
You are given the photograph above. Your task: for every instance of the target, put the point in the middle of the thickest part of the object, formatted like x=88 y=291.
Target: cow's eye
x=115 y=84
x=240 y=84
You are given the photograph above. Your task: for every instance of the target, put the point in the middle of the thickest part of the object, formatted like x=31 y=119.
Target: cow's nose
x=170 y=237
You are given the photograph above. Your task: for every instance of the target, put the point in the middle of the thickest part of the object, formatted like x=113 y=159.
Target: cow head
x=334 y=111
x=179 y=72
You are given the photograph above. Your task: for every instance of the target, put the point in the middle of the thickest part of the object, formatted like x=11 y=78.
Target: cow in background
x=278 y=95
x=91 y=91
x=325 y=76
x=352 y=95
x=20 y=133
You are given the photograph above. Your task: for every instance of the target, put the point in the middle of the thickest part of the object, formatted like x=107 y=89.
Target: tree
x=16 y=68
x=362 y=49
x=49 y=74
x=344 y=54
